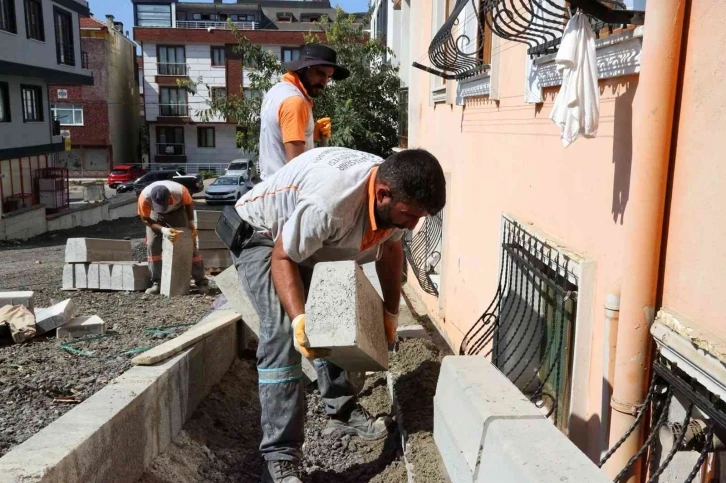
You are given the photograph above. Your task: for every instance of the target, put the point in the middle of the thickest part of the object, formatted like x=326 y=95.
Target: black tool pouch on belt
x=233 y=230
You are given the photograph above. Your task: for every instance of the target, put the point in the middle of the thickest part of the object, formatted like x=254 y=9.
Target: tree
x=363 y=108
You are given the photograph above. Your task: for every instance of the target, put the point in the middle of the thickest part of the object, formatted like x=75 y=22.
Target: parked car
x=124 y=173
x=240 y=167
x=193 y=182
x=226 y=189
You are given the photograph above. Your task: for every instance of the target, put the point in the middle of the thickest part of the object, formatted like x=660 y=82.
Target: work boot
x=358 y=422
x=281 y=471
x=202 y=286
x=155 y=289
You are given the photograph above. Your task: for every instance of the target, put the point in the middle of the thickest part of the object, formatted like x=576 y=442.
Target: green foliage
x=363 y=108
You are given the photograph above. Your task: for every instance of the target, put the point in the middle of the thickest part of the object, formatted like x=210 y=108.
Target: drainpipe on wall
x=610 y=342
x=652 y=132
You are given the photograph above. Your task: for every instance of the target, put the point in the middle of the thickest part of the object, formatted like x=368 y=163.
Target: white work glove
x=169 y=233
x=300 y=339
x=391 y=323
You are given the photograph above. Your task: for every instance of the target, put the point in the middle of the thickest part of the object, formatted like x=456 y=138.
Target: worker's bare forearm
x=190 y=214
x=390 y=273
x=293 y=149
x=155 y=227
x=287 y=281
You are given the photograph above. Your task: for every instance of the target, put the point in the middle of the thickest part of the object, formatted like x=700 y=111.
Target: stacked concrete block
x=55 y=316
x=487 y=430
x=81 y=326
x=176 y=266
x=81 y=275
x=69 y=277
x=17 y=298
x=130 y=276
x=213 y=251
x=86 y=250
x=345 y=315
x=104 y=276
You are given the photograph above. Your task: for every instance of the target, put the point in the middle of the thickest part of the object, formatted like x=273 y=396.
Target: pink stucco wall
x=506 y=157
x=695 y=258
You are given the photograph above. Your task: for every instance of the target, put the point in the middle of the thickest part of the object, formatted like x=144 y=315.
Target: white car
x=226 y=189
x=239 y=167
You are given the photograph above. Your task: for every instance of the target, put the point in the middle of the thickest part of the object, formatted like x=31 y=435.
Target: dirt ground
x=33 y=374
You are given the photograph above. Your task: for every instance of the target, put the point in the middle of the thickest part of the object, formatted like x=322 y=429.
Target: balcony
x=173 y=110
x=215 y=24
x=170 y=149
x=65 y=53
x=84 y=59
x=175 y=69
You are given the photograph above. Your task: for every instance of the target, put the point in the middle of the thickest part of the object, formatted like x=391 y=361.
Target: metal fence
x=172 y=68
x=205 y=24
x=423 y=251
x=528 y=327
x=403 y=118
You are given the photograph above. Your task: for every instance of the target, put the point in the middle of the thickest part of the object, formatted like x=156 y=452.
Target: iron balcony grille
x=403 y=118
x=423 y=251
x=171 y=68
x=528 y=328
x=170 y=149
x=221 y=25
x=84 y=60
x=66 y=53
x=701 y=430
x=174 y=110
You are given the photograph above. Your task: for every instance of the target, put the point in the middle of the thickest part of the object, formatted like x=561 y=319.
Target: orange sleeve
x=186 y=197
x=144 y=207
x=293 y=116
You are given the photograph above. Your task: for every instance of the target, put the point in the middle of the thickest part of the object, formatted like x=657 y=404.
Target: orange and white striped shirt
x=179 y=196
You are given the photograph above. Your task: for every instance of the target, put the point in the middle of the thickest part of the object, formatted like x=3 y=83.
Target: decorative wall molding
x=475 y=87
x=617 y=55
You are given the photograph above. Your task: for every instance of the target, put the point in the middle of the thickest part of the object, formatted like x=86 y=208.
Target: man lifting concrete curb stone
x=165 y=206
x=330 y=204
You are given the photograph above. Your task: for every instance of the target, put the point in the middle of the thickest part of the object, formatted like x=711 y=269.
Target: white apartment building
x=185 y=40
x=39 y=45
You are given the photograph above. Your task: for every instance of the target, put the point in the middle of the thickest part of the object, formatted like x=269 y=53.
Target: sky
x=122 y=10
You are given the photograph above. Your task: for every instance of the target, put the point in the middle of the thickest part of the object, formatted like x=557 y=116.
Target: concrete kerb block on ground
x=81 y=275
x=69 y=277
x=217 y=257
x=505 y=437
x=206 y=219
x=237 y=299
x=86 y=250
x=176 y=265
x=55 y=316
x=345 y=314
x=115 y=434
x=17 y=298
x=130 y=276
x=209 y=240
x=81 y=326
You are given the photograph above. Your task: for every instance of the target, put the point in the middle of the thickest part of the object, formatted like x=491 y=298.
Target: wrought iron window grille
x=703 y=428
x=528 y=327
x=423 y=251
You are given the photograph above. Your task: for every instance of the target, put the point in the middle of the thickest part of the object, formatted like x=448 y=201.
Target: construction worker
x=331 y=204
x=287 y=128
x=164 y=206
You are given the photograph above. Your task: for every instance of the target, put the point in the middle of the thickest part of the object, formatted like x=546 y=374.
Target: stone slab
x=218 y=258
x=206 y=219
x=69 y=277
x=94 y=277
x=86 y=250
x=209 y=240
x=345 y=314
x=237 y=299
x=130 y=276
x=55 y=316
x=104 y=276
x=81 y=275
x=24 y=298
x=115 y=434
x=412 y=332
x=81 y=326
x=176 y=265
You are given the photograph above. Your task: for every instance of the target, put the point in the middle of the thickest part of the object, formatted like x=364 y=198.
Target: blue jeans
x=282 y=396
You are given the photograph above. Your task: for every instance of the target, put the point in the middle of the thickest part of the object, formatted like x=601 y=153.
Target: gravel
x=33 y=375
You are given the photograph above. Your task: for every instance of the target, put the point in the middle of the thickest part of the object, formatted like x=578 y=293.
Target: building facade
x=192 y=40
x=102 y=120
x=621 y=224
x=39 y=45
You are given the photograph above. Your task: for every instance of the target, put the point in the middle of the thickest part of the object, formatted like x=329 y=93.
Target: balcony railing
x=170 y=149
x=84 y=60
x=65 y=53
x=403 y=118
x=215 y=24
x=169 y=68
x=174 y=110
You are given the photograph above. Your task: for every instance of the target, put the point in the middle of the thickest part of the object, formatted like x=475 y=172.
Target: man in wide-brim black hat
x=287 y=125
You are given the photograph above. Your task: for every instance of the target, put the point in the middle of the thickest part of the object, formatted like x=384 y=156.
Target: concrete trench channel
x=195 y=418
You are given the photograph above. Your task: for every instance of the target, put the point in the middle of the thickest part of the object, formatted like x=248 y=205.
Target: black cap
x=160 y=198
x=318 y=54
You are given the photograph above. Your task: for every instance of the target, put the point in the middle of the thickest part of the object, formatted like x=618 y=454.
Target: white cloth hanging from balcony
x=577 y=107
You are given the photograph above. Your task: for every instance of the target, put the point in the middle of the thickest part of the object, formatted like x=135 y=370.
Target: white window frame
x=74 y=108
x=438 y=84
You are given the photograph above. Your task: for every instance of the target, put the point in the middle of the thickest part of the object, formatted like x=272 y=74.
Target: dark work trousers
x=175 y=219
x=282 y=396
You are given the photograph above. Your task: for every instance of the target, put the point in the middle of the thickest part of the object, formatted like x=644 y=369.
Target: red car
x=124 y=173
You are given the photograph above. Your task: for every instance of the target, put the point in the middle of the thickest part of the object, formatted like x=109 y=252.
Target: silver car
x=226 y=189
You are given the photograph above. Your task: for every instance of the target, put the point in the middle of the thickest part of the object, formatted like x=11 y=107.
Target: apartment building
x=39 y=45
x=184 y=40
x=102 y=120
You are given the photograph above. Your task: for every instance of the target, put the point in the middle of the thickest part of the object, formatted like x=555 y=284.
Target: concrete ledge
x=488 y=431
x=116 y=433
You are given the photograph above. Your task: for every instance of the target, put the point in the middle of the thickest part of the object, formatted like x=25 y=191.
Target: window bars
x=695 y=433
x=423 y=251
x=528 y=328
